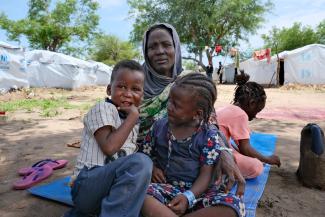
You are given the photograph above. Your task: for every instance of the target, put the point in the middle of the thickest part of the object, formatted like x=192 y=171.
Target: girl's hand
x=274 y=160
x=158 y=175
x=179 y=204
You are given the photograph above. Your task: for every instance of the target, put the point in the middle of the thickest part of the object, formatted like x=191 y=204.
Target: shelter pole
x=272 y=78
x=278 y=70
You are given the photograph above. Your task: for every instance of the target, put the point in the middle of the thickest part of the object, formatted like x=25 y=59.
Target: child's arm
x=209 y=157
x=180 y=203
x=245 y=148
x=201 y=184
x=109 y=140
x=148 y=147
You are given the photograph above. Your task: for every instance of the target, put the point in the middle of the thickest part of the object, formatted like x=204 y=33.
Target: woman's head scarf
x=154 y=82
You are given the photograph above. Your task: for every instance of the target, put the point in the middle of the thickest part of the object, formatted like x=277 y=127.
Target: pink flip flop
x=54 y=164
x=37 y=175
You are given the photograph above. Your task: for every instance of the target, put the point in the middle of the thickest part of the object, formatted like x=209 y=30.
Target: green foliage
x=109 y=49
x=69 y=21
x=47 y=107
x=246 y=54
x=201 y=23
x=190 y=65
x=294 y=37
x=320 y=32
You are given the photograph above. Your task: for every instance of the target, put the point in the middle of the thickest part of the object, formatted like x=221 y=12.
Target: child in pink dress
x=233 y=122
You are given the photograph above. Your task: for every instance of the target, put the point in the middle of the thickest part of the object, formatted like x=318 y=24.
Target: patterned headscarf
x=154 y=82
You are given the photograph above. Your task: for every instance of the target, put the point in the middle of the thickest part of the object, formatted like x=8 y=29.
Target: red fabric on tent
x=262 y=54
x=218 y=49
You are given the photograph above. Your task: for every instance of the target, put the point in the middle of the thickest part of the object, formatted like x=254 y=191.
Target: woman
x=163 y=63
x=161 y=48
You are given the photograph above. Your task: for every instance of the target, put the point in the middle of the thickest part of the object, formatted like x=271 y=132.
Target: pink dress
x=233 y=122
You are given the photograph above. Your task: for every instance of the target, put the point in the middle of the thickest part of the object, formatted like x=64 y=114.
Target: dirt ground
x=27 y=137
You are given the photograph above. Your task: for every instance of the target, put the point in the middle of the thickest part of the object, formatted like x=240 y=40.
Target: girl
x=233 y=120
x=184 y=148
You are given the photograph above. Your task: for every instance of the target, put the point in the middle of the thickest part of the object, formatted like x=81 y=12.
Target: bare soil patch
x=27 y=136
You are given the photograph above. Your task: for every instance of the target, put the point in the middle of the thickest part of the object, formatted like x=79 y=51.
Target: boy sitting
x=110 y=178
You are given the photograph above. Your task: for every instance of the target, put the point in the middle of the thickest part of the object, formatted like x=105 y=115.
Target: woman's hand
x=158 y=175
x=179 y=204
x=229 y=167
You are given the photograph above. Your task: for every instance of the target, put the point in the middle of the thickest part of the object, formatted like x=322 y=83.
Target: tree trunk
x=199 y=62
x=210 y=63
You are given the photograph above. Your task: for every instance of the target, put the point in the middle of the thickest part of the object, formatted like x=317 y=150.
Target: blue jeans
x=114 y=190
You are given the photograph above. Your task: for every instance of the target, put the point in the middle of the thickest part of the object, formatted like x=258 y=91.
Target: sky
x=114 y=18
x=286 y=12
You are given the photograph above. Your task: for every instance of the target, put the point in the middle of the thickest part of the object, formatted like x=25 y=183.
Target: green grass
x=48 y=107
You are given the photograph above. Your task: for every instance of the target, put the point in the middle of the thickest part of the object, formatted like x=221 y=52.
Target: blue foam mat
x=59 y=190
x=265 y=144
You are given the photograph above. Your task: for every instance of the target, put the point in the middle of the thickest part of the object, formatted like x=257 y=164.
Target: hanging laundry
x=233 y=52
x=218 y=49
x=262 y=54
x=237 y=60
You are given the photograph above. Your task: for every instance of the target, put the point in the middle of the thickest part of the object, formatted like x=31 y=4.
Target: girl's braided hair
x=203 y=90
x=248 y=91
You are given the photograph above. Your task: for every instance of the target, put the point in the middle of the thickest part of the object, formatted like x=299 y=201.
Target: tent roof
x=301 y=49
x=49 y=57
x=284 y=54
x=6 y=45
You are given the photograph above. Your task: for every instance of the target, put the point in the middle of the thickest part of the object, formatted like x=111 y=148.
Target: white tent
x=228 y=73
x=305 y=65
x=12 y=67
x=102 y=72
x=40 y=68
x=260 y=71
x=50 y=69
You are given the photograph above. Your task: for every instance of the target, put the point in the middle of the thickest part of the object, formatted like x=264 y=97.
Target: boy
x=110 y=178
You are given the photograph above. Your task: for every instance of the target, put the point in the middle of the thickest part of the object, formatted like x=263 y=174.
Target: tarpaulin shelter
x=50 y=69
x=102 y=72
x=12 y=67
x=305 y=65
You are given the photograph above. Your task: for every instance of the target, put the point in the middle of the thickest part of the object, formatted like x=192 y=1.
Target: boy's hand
x=131 y=110
x=274 y=160
x=179 y=204
x=158 y=175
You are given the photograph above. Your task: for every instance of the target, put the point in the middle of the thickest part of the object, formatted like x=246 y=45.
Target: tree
x=110 y=49
x=290 y=38
x=68 y=22
x=201 y=23
x=190 y=65
x=320 y=32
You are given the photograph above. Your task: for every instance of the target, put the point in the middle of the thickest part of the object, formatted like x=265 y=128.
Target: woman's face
x=161 y=51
